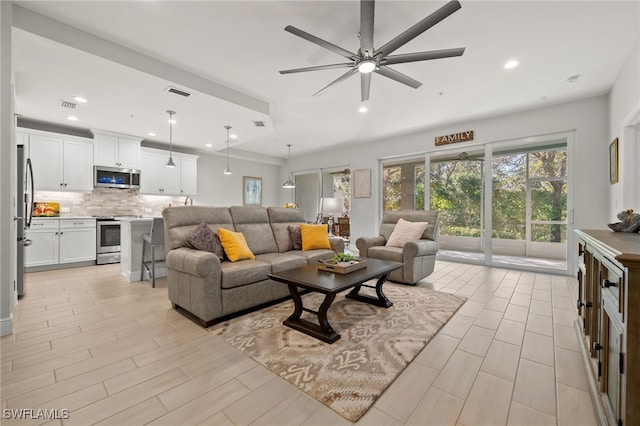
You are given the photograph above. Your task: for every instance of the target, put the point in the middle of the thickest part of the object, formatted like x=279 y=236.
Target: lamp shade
x=331 y=205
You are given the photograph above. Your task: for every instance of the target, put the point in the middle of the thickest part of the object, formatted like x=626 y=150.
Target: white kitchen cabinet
x=61 y=162
x=188 y=174
x=77 y=240
x=44 y=243
x=116 y=150
x=60 y=241
x=156 y=178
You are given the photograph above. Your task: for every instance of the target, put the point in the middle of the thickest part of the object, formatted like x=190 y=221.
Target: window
x=404 y=186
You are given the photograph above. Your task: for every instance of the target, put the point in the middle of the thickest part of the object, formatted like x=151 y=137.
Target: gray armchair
x=419 y=257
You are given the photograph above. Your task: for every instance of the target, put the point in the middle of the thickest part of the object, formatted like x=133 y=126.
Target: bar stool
x=153 y=239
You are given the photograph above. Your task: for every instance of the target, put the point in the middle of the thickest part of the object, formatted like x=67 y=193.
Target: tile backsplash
x=108 y=202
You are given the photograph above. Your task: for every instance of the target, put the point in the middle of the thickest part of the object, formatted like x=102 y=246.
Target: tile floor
x=115 y=353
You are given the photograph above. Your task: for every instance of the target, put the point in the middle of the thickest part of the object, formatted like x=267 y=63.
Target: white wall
x=7 y=171
x=624 y=110
x=588 y=118
x=217 y=189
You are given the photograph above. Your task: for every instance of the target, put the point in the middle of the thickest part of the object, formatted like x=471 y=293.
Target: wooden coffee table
x=309 y=277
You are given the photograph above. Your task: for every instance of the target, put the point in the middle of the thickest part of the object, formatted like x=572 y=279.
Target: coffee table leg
x=323 y=331
x=381 y=300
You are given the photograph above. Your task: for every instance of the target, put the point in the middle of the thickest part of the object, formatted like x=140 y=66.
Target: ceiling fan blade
x=397 y=76
x=343 y=77
x=319 y=67
x=367 y=13
x=422 y=56
x=320 y=42
x=418 y=29
x=365 y=85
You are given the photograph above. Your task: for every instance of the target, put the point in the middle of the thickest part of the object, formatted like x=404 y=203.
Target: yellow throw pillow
x=235 y=245
x=314 y=237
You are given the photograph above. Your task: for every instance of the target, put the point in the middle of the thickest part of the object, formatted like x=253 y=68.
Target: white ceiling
x=242 y=45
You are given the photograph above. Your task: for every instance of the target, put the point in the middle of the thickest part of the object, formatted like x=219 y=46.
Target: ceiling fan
x=369 y=60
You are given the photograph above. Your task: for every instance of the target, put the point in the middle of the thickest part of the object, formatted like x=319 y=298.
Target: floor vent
x=259 y=123
x=178 y=92
x=67 y=104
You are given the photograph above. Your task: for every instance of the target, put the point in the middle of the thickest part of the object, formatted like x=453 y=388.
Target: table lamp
x=331 y=206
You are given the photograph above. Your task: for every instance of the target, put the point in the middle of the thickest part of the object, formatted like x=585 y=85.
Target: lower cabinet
x=609 y=308
x=60 y=241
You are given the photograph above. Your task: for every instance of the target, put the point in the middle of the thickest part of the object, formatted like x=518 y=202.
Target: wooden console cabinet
x=609 y=309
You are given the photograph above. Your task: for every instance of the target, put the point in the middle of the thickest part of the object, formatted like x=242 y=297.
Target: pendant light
x=170 y=162
x=227 y=171
x=288 y=184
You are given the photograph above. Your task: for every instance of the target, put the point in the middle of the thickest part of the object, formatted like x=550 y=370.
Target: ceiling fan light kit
x=366 y=63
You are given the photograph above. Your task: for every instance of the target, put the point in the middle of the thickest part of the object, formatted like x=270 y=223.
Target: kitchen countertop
x=62 y=217
x=134 y=219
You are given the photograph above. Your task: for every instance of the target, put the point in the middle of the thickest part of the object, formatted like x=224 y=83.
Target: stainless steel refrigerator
x=25 y=212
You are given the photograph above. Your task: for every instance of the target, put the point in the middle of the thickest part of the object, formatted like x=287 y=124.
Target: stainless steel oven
x=107 y=240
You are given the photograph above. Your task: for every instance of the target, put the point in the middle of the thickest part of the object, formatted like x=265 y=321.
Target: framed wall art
x=251 y=191
x=362 y=183
x=613 y=162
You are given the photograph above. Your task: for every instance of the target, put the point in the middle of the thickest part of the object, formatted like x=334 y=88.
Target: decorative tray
x=342 y=267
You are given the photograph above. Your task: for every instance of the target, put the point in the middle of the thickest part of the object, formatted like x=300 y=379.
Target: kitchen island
x=131 y=232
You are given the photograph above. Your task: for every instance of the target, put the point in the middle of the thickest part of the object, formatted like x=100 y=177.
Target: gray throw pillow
x=296 y=236
x=203 y=238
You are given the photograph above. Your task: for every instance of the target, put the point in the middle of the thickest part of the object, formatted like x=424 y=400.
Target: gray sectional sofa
x=210 y=289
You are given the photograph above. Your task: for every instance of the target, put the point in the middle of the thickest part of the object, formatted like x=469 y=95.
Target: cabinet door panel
x=188 y=176
x=129 y=153
x=106 y=150
x=77 y=245
x=43 y=249
x=78 y=166
x=46 y=158
x=150 y=169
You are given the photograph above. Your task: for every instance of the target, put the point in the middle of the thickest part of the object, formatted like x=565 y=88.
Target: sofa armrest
x=365 y=243
x=420 y=248
x=194 y=262
x=337 y=244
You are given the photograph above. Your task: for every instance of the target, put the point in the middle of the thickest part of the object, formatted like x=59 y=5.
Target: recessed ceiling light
x=80 y=99
x=151 y=134
x=208 y=145
x=72 y=118
x=172 y=121
x=511 y=64
x=573 y=78
x=233 y=136
x=363 y=109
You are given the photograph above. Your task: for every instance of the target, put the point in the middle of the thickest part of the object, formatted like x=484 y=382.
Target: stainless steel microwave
x=115 y=177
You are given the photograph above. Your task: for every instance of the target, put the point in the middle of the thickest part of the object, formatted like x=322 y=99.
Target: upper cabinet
x=60 y=162
x=156 y=178
x=116 y=150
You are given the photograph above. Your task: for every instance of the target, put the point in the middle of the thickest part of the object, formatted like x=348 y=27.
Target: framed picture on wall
x=362 y=183
x=613 y=162
x=251 y=191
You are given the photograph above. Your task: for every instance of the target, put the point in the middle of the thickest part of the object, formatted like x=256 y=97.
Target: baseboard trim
x=6 y=326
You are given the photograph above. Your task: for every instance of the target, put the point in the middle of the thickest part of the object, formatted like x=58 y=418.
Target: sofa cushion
x=281 y=218
x=235 y=245
x=205 y=239
x=313 y=256
x=385 y=253
x=314 y=237
x=296 y=236
x=404 y=232
x=180 y=222
x=243 y=272
x=253 y=222
x=282 y=261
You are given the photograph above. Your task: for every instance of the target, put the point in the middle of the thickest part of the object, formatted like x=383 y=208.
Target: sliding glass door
x=529 y=206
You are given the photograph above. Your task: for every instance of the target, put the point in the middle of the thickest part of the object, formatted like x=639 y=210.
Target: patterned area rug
x=376 y=344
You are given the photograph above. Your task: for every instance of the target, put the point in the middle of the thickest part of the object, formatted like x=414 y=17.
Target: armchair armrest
x=420 y=248
x=364 y=243
x=337 y=244
x=194 y=262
